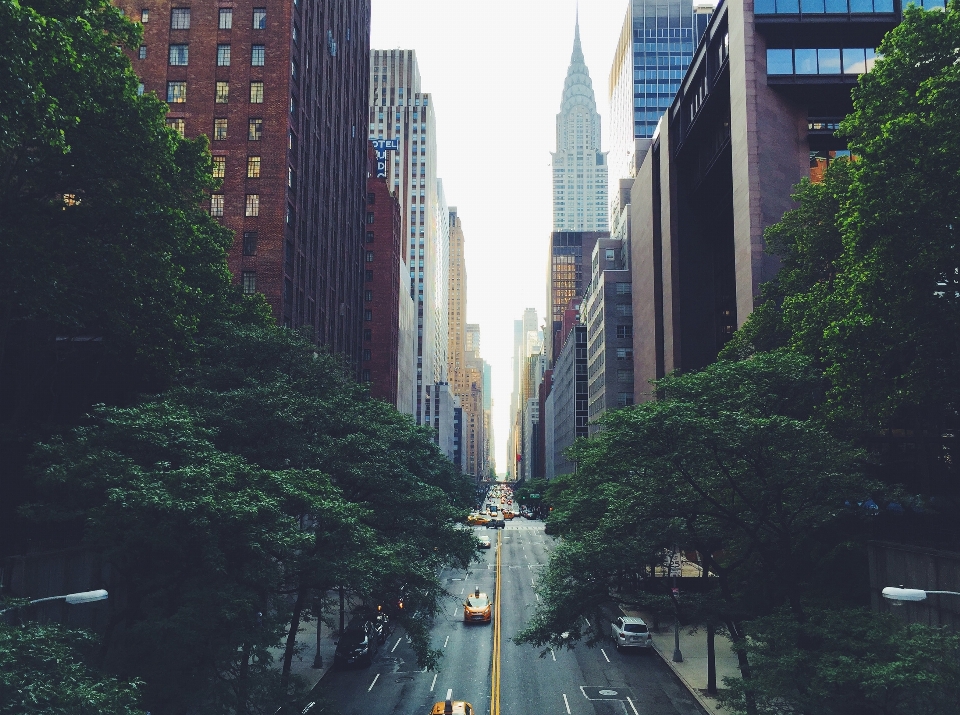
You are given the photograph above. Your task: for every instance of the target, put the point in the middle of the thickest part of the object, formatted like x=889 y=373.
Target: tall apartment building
x=568 y=273
x=756 y=113
x=474 y=432
x=607 y=312
x=399 y=110
x=383 y=291
x=457 y=306
x=569 y=398
x=279 y=87
x=579 y=167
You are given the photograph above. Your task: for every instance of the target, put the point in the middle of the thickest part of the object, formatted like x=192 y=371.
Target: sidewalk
x=692 y=671
x=302 y=664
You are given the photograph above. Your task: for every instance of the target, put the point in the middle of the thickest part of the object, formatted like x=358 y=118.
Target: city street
x=586 y=681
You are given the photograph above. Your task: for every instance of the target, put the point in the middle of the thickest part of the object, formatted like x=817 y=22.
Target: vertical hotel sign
x=381 y=147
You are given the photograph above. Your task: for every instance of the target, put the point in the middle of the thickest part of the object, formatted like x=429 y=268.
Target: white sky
x=495 y=69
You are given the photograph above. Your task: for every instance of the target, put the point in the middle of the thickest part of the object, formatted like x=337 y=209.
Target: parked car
x=631 y=632
x=358 y=643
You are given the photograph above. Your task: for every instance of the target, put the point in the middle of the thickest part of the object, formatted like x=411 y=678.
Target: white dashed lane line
x=566 y=703
x=375 y=679
x=605 y=654
x=396 y=644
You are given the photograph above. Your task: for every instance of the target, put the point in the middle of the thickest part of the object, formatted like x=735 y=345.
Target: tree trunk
x=243 y=678
x=711 y=660
x=292 y=637
x=341 y=610
x=318 y=658
x=736 y=634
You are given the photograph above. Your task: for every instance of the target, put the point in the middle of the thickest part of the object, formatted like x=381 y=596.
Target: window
x=369 y=257
x=259 y=18
x=226 y=18
x=249 y=243
x=223 y=55
x=223 y=92
x=366 y=355
x=216 y=205
x=368 y=276
x=177 y=124
x=249 y=280
x=256 y=93
x=253 y=205
x=219 y=167
x=624 y=399
x=624 y=375
x=370 y=217
x=176 y=92
x=625 y=310
x=255 y=130
x=291 y=178
x=144 y=16
x=371 y=198
x=610 y=254
x=142 y=53
x=368 y=315
x=624 y=331
x=219 y=129
x=257 y=55
x=180 y=18
x=140 y=89
x=367 y=334
x=179 y=55
x=370 y=237
x=368 y=295
x=253 y=167
x=366 y=376
x=623 y=289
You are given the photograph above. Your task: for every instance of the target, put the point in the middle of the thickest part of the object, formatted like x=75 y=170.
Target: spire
x=577 y=56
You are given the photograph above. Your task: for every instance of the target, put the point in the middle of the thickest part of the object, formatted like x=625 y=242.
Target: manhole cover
x=605 y=692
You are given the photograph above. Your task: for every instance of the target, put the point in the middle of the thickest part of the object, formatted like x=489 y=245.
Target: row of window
x=254 y=129
x=251 y=207
x=823 y=61
x=220 y=167
x=819 y=7
x=180 y=18
x=179 y=55
x=177 y=92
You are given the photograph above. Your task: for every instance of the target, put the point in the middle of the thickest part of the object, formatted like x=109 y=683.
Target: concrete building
x=568 y=273
x=383 y=290
x=280 y=89
x=569 y=397
x=756 y=113
x=527 y=339
x=400 y=111
x=579 y=167
x=608 y=313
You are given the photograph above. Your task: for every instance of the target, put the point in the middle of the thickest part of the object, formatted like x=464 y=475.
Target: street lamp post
x=71 y=598
x=900 y=594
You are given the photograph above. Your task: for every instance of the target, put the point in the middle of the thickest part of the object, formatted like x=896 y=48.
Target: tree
x=732 y=464
x=42 y=672
x=847 y=662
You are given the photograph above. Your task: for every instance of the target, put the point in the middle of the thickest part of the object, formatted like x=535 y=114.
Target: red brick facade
x=381 y=334
x=300 y=68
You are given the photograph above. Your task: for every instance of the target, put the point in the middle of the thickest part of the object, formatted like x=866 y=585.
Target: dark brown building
x=280 y=87
x=381 y=295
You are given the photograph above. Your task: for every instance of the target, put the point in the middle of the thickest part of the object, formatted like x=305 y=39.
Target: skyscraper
x=579 y=167
x=399 y=110
x=280 y=88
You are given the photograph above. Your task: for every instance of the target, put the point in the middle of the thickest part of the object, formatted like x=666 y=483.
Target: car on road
x=357 y=644
x=631 y=632
x=477 y=519
x=507 y=514
x=496 y=524
x=484 y=541
x=453 y=707
x=477 y=608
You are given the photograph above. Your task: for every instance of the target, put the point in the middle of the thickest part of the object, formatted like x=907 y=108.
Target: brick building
x=382 y=289
x=280 y=88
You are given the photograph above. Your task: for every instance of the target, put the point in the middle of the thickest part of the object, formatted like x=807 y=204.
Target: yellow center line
x=495 y=668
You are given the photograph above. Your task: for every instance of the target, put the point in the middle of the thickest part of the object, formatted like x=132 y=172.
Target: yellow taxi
x=507 y=514
x=477 y=608
x=453 y=707
x=478 y=519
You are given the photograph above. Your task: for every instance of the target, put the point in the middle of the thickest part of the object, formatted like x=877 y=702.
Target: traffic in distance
x=376 y=668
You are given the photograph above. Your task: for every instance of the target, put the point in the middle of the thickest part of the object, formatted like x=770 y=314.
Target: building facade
x=280 y=89
x=399 y=110
x=569 y=397
x=579 y=167
x=756 y=113
x=568 y=273
x=383 y=290
x=608 y=314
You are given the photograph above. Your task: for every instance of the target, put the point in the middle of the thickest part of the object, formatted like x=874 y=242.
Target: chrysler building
x=579 y=167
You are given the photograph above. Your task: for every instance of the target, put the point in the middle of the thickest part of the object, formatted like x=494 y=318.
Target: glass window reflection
x=829 y=61
x=854 y=60
x=814 y=6
x=883 y=5
x=838 y=6
x=779 y=61
x=764 y=7
x=788 y=6
x=861 y=5
x=806 y=61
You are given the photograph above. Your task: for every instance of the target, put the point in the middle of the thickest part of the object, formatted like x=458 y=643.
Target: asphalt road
x=584 y=681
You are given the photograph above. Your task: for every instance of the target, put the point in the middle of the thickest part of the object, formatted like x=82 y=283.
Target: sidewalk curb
x=707 y=706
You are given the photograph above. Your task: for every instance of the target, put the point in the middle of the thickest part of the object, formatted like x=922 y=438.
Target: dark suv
x=358 y=643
